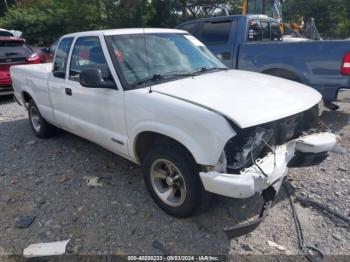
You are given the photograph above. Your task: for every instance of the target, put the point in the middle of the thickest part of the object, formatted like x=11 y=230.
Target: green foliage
x=43 y=21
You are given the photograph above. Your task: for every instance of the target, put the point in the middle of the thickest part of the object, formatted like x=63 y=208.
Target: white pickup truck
x=159 y=98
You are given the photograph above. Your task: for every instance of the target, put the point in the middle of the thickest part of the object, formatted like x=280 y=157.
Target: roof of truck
x=126 y=31
x=265 y=17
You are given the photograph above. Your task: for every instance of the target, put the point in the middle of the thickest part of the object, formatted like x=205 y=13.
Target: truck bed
x=33 y=79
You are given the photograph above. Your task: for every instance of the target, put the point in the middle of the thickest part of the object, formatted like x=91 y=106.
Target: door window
x=88 y=54
x=265 y=28
x=60 y=64
x=276 y=34
x=216 y=33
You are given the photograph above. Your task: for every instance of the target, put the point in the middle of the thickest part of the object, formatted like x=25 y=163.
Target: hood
x=246 y=98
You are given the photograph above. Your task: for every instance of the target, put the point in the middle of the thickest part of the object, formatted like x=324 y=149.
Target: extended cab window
x=264 y=31
x=60 y=64
x=216 y=32
x=255 y=32
x=88 y=54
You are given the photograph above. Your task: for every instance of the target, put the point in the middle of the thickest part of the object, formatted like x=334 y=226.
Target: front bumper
x=269 y=171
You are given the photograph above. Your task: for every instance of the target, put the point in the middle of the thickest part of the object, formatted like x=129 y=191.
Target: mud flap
x=245 y=228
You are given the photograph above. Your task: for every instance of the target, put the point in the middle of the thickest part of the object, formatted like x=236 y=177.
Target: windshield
x=151 y=57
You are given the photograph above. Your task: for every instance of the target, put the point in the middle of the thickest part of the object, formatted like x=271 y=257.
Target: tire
x=188 y=192
x=40 y=127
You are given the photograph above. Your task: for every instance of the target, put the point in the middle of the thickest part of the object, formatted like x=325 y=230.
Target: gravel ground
x=46 y=179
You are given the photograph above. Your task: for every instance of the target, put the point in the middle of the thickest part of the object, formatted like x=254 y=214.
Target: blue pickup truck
x=255 y=43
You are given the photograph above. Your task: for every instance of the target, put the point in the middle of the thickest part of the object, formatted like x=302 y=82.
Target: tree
x=43 y=21
x=332 y=16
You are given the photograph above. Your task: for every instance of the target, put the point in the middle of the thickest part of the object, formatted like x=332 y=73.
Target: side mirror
x=92 y=78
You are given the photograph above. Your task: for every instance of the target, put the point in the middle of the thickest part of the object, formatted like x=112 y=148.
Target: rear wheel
x=40 y=127
x=172 y=178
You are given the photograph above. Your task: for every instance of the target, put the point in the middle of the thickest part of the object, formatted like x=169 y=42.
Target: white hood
x=246 y=98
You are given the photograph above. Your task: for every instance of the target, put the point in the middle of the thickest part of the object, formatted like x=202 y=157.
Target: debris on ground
x=24 y=221
x=31 y=143
x=40 y=201
x=156 y=244
x=279 y=247
x=120 y=252
x=46 y=249
x=64 y=178
x=247 y=247
x=2 y=252
x=94 y=181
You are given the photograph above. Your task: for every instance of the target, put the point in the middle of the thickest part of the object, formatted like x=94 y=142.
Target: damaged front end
x=257 y=160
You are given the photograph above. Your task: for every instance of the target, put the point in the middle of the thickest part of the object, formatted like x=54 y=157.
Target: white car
x=7 y=33
x=159 y=98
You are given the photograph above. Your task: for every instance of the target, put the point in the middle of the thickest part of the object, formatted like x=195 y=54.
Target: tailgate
x=13 y=51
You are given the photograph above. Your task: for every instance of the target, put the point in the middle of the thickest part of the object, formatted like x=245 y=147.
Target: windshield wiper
x=160 y=77
x=206 y=69
x=154 y=78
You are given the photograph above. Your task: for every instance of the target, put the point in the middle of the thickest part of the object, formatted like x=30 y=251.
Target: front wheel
x=172 y=178
x=40 y=127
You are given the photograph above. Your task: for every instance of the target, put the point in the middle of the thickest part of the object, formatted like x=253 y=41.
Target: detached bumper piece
x=245 y=228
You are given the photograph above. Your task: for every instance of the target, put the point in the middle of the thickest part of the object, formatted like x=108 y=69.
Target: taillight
x=33 y=59
x=345 y=68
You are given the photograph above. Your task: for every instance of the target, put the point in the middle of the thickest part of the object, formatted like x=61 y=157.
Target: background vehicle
x=4 y=32
x=254 y=43
x=13 y=51
x=47 y=54
x=14 y=33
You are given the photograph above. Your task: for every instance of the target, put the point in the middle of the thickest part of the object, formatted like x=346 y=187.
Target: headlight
x=242 y=150
x=320 y=107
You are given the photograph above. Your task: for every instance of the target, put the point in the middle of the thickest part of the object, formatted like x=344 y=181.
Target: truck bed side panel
x=316 y=63
x=32 y=79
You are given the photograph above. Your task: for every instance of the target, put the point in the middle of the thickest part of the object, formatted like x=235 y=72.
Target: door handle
x=68 y=91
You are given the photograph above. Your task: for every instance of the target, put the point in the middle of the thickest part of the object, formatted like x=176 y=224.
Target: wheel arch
x=284 y=73
x=26 y=97
x=145 y=140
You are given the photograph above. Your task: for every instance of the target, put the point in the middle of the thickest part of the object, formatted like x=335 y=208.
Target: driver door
x=96 y=114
